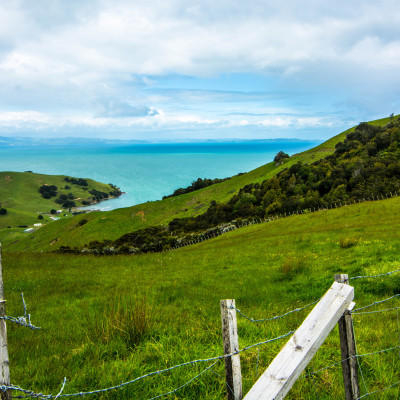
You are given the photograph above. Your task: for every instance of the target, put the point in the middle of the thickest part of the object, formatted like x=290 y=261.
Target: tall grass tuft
x=346 y=243
x=125 y=319
x=293 y=265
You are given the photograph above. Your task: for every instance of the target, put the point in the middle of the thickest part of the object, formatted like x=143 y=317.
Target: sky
x=162 y=70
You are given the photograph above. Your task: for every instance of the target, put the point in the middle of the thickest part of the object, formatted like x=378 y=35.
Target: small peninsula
x=29 y=198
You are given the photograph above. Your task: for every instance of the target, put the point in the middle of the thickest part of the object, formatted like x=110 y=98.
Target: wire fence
x=213 y=361
x=31 y=393
x=24 y=321
x=231 y=226
x=357 y=311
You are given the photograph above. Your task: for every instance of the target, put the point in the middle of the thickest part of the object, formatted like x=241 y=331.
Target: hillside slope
x=113 y=224
x=269 y=269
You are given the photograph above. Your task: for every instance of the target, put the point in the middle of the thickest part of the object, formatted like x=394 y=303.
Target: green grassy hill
x=110 y=319
x=19 y=195
x=113 y=224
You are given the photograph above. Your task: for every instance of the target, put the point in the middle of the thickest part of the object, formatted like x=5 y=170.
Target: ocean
x=146 y=172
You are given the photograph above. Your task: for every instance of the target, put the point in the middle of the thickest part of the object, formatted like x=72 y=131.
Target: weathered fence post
x=231 y=344
x=282 y=373
x=4 y=362
x=348 y=349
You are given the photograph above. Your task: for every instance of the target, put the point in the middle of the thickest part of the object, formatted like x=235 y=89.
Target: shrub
x=3 y=211
x=48 y=191
x=82 y=222
x=76 y=181
x=40 y=216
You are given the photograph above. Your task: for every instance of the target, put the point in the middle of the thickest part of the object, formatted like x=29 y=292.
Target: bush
x=76 y=181
x=48 y=191
x=3 y=211
x=53 y=211
x=40 y=216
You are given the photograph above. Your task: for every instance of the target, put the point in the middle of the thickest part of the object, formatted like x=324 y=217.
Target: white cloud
x=97 y=58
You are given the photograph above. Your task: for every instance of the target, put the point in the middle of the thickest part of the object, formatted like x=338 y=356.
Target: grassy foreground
x=113 y=224
x=110 y=319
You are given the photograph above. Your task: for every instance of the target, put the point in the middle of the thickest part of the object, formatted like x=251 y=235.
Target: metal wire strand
x=378 y=391
x=31 y=393
x=374 y=276
x=273 y=318
x=187 y=383
x=25 y=320
x=376 y=311
x=349 y=358
x=375 y=303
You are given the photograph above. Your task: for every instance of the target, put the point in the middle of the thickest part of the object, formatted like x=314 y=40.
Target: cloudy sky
x=176 y=69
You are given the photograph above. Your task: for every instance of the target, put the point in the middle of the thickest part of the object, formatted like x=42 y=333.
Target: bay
x=146 y=172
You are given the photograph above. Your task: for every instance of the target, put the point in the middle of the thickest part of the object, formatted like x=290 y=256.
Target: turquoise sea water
x=146 y=171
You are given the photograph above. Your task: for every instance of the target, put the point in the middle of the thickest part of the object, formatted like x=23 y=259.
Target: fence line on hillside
x=25 y=322
x=230 y=226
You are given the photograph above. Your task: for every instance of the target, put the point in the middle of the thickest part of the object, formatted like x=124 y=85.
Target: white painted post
x=287 y=366
x=348 y=349
x=4 y=361
x=233 y=374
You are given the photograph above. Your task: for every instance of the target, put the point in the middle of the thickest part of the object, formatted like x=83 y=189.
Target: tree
x=40 y=216
x=48 y=191
x=280 y=157
x=3 y=211
x=69 y=204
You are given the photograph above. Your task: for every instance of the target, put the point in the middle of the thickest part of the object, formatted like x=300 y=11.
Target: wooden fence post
x=231 y=344
x=348 y=349
x=4 y=362
x=287 y=366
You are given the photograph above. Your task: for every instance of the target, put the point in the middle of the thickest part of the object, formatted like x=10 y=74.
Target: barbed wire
x=187 y=383
x=379 y=390
x=376 y=303
x=374 y=276
x=349 y=358
x=376 y=311
x=273 y=318
x=25 y=320
x=31 y=393
x=226 y=383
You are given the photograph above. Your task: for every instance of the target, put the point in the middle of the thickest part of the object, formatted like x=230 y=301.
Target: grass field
x=110 y=319
x=113 y=224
